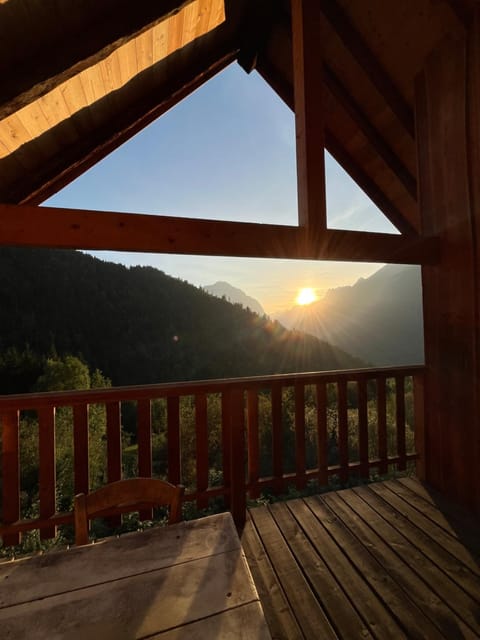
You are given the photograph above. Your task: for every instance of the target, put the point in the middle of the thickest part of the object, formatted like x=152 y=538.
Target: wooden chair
x=125 y=495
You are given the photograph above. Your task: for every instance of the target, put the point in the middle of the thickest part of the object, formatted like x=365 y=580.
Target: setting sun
x=306 y=296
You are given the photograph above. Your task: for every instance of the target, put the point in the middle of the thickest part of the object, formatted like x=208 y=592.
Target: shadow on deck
x=387 y=560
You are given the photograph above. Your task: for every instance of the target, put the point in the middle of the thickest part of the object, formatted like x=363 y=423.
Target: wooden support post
x=448 y=139
x=238 y=494
x=309 y=122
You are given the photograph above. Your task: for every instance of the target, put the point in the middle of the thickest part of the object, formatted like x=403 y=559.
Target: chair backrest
x=123 y=495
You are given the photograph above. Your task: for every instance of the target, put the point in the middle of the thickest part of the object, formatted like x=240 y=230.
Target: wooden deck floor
x=387 y=561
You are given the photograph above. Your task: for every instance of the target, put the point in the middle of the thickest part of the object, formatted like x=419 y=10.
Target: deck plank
x=278 y=613
x=363 y=597
x=420 y=578
x=452 y=517
x=309 y=614
x=433 y=540
x=392 y=556
x=342 y=615
x=374 y=560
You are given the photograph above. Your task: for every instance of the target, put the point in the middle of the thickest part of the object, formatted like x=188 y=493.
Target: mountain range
x=138 y=325
x=234 y=295
x=378 y=319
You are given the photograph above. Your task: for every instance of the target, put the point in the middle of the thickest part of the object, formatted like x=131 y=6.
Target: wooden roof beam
x=309 y=116
x=26 y=225
x=47 y=181
x=377 y=196
x=59 y=60
x=377 y=75
x=340 y=92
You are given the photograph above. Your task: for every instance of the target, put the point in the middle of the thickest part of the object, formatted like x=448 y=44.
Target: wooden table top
x=186 y=580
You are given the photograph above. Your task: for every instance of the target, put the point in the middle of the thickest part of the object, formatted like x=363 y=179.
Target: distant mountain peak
x=222 y=289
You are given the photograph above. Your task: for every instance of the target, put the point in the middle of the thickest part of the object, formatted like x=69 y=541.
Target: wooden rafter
x=355 y=44
x=309 y=116
x=59 y=60
x=375 y=138
x=377 y=196
x=27 y=225
x=47 y=181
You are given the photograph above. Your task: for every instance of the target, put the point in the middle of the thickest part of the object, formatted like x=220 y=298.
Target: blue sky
x=226 y=152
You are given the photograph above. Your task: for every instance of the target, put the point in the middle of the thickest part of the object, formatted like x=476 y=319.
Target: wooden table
x=189 y=580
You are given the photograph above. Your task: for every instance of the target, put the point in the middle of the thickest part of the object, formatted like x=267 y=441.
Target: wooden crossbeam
x=309 y=115
x=26 y=225
x=356 y=45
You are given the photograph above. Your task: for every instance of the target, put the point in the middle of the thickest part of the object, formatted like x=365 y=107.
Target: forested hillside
x=136 y=325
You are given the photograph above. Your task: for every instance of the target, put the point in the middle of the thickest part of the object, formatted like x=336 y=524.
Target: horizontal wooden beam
x=26 y=80
x=26 y=225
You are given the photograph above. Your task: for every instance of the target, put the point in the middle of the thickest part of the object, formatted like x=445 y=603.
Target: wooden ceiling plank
x=59 y=61
x=342 y=95
x=377 y=196
x=309 y=115
x=80 y=229
x=359 y=50
x=116 y=131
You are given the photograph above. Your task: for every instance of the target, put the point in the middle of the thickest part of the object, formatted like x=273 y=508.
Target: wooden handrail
x=309 y=439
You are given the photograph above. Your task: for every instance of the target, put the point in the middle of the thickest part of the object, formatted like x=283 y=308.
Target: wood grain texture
x=373 y=560
x=450 y=288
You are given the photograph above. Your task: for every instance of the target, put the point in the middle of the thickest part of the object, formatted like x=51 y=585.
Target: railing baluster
x=277 y=436
x=80 y=448
x=238 y=496
x=400 y=419
x=144 y=442
x=201 y=426
x=173 y=439
x=419 y=425
x=233 y=437
x=253 y=441
x=10 y=422
x=114 y=450
x=322 y=434
x=300 y=458
x=343 y=428
x=226 y=437
x=382 y=425
x=363 y=428
x=47 y=475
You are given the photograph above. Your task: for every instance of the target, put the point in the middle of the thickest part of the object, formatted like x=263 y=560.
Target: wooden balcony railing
x=225 y=439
